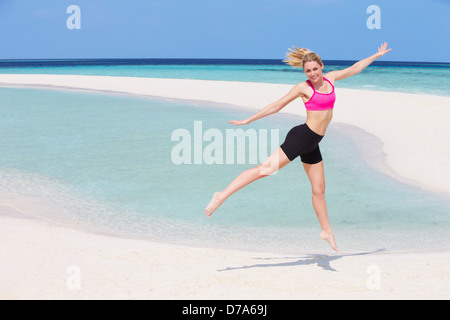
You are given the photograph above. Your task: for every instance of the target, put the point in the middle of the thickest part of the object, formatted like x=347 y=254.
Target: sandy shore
x=46 y=261
x=41 y=260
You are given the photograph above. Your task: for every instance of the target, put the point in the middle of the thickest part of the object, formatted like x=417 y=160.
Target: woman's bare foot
x=213 y=204
x=330 y=238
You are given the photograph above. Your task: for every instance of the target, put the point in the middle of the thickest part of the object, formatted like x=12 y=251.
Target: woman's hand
x=239 y=122
x=383 y=50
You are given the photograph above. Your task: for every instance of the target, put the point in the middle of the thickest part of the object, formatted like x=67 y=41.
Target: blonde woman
x=319 y=97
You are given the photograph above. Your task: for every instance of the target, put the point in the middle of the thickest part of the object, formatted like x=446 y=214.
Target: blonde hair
x=297 y=57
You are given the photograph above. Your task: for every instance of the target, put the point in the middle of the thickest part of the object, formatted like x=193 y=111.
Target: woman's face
x=313 y=70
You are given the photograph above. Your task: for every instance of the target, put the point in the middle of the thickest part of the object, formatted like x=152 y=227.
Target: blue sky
x=417 y=30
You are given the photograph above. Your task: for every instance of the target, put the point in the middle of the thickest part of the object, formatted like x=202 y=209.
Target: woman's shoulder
x=302 y=85
x=331 y=76
x=301 y=89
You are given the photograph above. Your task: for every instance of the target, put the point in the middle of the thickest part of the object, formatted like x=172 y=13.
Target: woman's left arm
x=358 y=66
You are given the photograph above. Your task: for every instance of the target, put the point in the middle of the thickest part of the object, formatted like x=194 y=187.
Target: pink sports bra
x=321 y=101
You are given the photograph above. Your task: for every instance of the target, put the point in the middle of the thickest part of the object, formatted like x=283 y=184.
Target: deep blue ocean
x=104 y=162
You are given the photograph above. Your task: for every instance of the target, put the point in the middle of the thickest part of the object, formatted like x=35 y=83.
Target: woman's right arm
x=274 y=107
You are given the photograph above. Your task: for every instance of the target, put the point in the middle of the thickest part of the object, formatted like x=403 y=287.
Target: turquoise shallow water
x=104 y=162
x=385 y=76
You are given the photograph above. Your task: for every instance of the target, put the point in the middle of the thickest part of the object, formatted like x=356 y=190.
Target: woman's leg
x=276 y=161
x=316 y=176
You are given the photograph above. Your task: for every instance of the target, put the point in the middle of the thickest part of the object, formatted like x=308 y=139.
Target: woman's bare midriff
x=318 y=121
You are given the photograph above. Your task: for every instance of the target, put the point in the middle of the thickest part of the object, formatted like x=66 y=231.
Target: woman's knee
x=275 y=162
x=318 y=190
x=266 y=168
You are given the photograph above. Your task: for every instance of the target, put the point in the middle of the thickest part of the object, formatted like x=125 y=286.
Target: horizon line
x=200 y=59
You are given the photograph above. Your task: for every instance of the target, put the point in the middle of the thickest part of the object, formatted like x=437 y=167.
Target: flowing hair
x=297 y=57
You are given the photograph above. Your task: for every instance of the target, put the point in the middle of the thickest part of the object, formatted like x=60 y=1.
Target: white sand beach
x=42 y=260
x=46 y=261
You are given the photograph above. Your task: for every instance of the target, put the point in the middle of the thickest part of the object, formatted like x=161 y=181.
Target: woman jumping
x=318 y=96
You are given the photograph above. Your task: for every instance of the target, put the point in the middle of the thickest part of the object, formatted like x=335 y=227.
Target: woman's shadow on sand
x=322 y=261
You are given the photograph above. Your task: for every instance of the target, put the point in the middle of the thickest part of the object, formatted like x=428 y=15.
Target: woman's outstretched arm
x=358 y=66
x=274 y=107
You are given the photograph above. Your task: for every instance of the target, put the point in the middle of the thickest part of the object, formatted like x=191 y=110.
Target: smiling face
x=313 y=70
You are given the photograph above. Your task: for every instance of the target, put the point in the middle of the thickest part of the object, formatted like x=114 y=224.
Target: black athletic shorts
x=302 y=141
